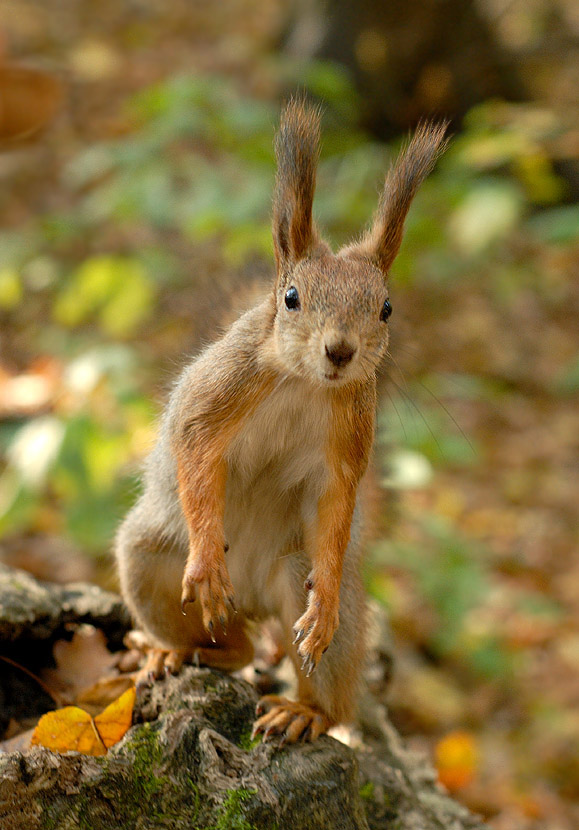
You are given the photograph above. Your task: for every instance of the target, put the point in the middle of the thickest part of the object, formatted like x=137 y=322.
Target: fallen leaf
x=104 y=691
x=80 y=664
x=456 y=760
x=13 y=729
x=29 y=100
x=73 y=730
x=116 y=718
x=69 y=729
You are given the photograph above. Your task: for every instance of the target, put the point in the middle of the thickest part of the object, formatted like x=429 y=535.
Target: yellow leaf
x=73 y=730
x=68 y=730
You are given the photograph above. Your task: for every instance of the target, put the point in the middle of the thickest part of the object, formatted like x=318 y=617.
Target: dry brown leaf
x=13 y=729
x=73 y=730
x=80 y=663
x=104 y=691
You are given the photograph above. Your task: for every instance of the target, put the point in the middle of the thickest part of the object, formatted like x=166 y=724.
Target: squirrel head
x=332 y=309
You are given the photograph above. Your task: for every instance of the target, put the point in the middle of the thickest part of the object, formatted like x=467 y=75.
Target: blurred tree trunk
x=408 y=59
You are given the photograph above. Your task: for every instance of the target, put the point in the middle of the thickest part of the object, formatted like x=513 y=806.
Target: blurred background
x=137 y=166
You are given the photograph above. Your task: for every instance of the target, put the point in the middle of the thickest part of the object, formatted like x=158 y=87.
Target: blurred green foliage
x=453 y=580
x=199 y=166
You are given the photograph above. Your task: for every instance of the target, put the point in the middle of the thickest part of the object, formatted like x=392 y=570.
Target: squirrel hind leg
x=229 y=653
x=326 y=695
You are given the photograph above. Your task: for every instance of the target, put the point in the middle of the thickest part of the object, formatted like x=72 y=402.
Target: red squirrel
x=252 y=505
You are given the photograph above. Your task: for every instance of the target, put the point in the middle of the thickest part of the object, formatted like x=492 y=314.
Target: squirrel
x=252 y=504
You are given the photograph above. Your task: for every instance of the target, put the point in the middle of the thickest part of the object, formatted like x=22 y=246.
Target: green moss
x=231 y=816
x=366 y=791
x=147 y=754
x=149 y=789
x=246 y=742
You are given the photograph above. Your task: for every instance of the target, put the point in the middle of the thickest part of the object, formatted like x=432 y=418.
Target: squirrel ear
x=382 y=242
x=297 y=150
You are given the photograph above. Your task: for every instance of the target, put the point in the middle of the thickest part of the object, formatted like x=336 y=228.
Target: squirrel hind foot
x=288 y=719
x=160 y=662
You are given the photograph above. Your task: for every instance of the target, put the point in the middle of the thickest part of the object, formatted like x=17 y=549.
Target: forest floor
x=478 y=440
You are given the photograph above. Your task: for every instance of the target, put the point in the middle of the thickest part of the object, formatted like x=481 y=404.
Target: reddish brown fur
x=202 y=474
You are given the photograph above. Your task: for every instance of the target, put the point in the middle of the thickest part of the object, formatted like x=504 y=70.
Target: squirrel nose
x=340 y=353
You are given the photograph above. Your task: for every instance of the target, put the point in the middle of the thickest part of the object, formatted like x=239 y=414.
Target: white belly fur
x=276 y=473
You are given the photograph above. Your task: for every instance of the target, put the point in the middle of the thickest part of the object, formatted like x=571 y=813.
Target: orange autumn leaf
x=73 y=730
x=115 y=720
x=456 y=760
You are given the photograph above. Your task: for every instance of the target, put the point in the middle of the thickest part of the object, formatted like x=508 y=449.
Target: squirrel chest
x=276 y=473
x=283 y=441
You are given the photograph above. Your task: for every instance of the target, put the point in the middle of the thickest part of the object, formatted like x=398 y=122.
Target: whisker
x=405 y=398
x=398 y=414
x=438 y=401
x=451 y=416
x=397 y=366
x=427 y=425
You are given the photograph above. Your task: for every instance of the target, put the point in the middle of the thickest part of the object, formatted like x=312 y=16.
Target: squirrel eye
x=292 y=299
x=386 y=311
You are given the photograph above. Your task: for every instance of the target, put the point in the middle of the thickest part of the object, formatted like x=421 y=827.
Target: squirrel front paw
x=314 y=631
x=207 y=579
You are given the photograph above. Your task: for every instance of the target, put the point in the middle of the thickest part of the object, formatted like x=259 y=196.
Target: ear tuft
x=297 y=149
x=382 y=243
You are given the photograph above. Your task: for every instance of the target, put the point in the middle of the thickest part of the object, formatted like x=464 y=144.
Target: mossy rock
x=188 y=761
x=187 y=764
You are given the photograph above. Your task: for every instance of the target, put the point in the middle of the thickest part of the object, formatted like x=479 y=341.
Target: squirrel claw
x=210 y=628
x=299 y=636
x=268 y=733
